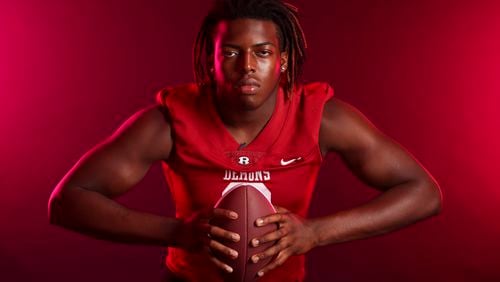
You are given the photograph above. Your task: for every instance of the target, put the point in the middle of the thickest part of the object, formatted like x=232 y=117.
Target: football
x=250 y=202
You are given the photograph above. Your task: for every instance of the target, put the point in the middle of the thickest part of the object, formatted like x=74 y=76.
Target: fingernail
x=255 y=242
x=233 y=215
x=260 y=221
x=234 y=254
x=260 y=273
x=235 y=237
x=255 y=259
x=229 y=269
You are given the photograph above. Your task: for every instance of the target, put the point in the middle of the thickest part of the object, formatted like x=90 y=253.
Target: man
x=246 y=120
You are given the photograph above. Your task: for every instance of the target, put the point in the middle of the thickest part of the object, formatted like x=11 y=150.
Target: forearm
x=395 y=208
x=92 y=213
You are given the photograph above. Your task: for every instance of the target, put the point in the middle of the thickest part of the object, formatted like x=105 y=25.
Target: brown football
x=250 y=203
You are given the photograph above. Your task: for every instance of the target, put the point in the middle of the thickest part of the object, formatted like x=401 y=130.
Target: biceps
x=108 y=169
x=383 y=163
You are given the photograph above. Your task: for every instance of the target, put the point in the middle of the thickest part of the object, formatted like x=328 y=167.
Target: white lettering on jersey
x=257 y=176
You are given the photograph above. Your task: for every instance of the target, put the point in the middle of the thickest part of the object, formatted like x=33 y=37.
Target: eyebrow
x=255 y=45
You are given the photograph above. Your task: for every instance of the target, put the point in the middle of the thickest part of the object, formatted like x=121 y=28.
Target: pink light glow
x=425 y=72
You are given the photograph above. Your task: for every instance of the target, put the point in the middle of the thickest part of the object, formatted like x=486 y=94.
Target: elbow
x=433 y=198
x=54 y=210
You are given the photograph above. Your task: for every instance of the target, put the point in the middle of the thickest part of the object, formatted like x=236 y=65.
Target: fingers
x=272 y=218
x=217 y=212
x=217 y=234
x=205 y=215
x=271 y=236
x=282 y=250
x=221 y=265
x=222 y=249
x=216 y=231
x=273 y=250
x=218 y=262
x=203 y=227
x=215 y=246
x=280 y=260
x=277 y=218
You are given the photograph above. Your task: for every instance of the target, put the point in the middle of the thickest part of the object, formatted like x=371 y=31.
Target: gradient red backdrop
x=427 y=73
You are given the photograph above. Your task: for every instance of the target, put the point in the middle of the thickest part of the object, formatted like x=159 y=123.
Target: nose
x=248 y=62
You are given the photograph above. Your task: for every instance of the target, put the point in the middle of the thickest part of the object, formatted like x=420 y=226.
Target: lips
x=247 y=85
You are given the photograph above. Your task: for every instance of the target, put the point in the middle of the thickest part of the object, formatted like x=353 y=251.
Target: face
x=247 y=62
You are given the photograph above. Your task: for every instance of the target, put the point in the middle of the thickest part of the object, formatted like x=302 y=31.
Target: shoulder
x=146 y=131
x=343 y=127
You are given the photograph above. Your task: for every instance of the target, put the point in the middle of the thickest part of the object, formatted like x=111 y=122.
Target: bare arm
x=409 y=192
x=83 y=199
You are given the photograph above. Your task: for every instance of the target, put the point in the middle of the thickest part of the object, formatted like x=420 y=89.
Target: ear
x=283 y=61
x=284 y=58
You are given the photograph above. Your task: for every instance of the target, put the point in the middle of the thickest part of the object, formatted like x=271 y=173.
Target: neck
x=244 y=123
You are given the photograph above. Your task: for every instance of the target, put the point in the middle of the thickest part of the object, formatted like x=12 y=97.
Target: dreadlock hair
x=283 y=15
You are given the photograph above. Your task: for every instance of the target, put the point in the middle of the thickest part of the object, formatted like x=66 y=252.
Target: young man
x=246 y=120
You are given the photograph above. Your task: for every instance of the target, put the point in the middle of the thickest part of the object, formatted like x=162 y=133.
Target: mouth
x=247 y=86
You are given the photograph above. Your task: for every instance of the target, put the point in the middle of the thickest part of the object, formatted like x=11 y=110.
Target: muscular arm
x=409 y=191
x=83 y=199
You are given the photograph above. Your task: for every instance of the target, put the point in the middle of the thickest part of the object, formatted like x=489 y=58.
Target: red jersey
x=285 y=157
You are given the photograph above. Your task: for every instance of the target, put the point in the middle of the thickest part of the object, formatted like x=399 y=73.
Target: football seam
x=245 y=248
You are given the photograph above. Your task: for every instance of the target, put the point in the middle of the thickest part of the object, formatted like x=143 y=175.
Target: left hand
x=294 y=236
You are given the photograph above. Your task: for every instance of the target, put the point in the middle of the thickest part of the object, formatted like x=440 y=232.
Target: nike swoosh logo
x=284 y=163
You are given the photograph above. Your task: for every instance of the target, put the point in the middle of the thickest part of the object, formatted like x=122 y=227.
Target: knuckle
x=283 y=244
x=276 y=249
x=212 y=244
x=283 y=231
x=268 y=253
x=280 y=217
x=231 y=236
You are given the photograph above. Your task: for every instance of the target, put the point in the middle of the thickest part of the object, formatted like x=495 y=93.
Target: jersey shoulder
x=178 y=92
x=316 y=89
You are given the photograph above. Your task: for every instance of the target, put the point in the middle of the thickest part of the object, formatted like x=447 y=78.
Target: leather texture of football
x=250 y=203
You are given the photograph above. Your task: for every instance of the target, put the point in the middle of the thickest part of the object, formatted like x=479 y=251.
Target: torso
x=205 y=159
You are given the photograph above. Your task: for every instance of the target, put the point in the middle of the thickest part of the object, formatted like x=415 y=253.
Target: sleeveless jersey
x=205 y=159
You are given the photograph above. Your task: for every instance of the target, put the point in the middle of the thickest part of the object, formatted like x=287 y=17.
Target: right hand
x=196 y=234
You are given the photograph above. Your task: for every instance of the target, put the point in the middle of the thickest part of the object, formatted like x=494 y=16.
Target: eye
x=264 y=53
x=229 y=53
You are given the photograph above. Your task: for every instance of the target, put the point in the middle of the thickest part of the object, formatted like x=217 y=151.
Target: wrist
x=314 y=226
x=176 y=231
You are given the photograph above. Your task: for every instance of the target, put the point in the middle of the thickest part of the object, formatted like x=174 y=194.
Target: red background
x=425 y=72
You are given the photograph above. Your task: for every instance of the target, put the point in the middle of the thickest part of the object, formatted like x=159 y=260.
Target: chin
x=248 y=102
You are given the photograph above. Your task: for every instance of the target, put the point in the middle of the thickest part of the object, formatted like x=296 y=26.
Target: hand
x=196 y=234
x=295 y=236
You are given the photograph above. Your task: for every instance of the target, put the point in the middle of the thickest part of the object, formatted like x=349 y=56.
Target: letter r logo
x=243 y=160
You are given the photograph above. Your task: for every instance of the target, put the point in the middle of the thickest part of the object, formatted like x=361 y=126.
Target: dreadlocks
x=283 y=15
